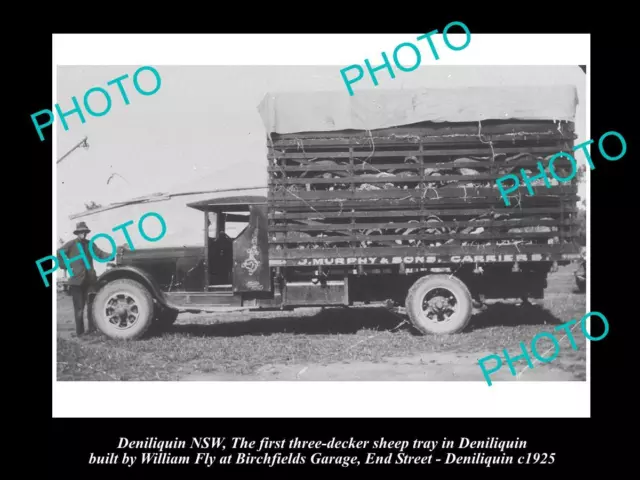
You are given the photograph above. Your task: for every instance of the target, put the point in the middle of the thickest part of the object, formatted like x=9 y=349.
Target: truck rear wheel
x=439 y=304
x=123 y=309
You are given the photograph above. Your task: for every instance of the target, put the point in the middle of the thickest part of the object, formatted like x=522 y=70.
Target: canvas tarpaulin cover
x=296 y=112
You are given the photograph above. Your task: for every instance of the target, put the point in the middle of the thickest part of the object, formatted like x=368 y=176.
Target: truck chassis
x=408 y=214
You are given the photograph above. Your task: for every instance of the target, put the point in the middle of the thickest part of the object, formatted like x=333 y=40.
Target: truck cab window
x=235 y=229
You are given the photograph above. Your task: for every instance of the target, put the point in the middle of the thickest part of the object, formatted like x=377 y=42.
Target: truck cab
x=229 y=271
x=236 y=263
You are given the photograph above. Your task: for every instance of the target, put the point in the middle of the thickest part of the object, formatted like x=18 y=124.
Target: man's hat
x=81 y=227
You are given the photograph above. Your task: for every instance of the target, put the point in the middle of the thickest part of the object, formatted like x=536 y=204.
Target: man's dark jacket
x=78 y=274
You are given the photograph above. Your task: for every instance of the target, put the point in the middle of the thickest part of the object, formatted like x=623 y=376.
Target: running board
x=209 y=310
x=207 y=302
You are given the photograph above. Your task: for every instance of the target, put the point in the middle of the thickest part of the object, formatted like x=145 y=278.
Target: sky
x=202 y=131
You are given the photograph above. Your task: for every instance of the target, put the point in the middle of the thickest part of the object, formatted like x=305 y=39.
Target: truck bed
x=422 y=193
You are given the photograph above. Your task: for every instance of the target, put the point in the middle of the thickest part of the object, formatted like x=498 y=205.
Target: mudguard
x=134 y=273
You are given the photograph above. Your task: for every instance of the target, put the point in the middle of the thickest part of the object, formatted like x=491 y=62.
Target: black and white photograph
x=260 y=223
x=331 y=251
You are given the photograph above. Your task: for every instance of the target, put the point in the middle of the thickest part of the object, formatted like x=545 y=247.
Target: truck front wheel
x=439 y=304
x=123 y=309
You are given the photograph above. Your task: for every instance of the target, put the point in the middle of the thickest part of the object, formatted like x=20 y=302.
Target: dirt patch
x=440 y=367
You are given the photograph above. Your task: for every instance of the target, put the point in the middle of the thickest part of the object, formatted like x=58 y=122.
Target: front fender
x=139 y=275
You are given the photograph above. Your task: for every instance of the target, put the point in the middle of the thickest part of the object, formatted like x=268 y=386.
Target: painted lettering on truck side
x=333 y=261
x=339 y=261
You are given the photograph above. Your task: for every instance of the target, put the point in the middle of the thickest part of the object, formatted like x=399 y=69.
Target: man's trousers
x=79 y=294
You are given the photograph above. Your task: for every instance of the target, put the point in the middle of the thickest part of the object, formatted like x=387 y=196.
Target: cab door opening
x=236 y=247
x=221 y=228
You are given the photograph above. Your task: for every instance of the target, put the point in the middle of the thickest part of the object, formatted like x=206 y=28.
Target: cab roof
x=228 y=204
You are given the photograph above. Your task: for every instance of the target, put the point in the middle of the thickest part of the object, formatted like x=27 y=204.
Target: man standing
x=82 y=276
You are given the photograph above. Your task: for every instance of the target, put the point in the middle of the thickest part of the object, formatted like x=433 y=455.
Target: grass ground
x=347 y=342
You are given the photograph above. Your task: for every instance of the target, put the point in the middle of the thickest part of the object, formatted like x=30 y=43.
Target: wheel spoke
x=122 y=310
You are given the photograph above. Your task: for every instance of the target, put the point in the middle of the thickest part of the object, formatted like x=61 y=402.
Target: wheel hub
x=121 y=310
x=439 y=305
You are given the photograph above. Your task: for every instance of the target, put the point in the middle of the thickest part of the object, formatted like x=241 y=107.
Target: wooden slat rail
x=446 y=191
x=451 y=142
x=319 y=207
x=513 y=223
x=399 y=251
x=417 y=213
x=360 y=179
x=412 y=205
x=323 y=209
x=423 y=237
x=549 y=150
x=374 y=167
x=432 y=194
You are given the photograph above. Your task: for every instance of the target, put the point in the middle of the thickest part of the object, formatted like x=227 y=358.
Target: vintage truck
x=387 y=196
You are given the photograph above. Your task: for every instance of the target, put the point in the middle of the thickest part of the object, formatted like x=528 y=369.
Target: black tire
x=144 y=311
x=582 y=285
x=456 y=322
